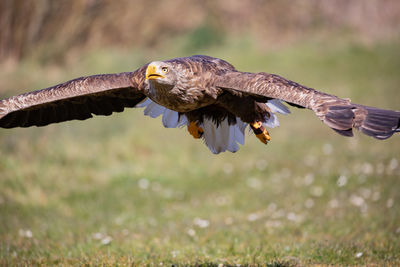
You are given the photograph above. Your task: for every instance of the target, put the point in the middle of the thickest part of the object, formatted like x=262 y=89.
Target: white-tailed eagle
x=208 y=95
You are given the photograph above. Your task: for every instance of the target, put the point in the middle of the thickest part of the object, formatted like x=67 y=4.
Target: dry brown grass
x=57 y=27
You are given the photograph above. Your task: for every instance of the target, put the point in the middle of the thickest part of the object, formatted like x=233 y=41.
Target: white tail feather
x=239 y=130
x=171 y=119
x=224 y=136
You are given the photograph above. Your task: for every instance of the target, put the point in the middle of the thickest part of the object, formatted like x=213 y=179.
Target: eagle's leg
x=249 y=111
x=195 y=130
x=260 y=131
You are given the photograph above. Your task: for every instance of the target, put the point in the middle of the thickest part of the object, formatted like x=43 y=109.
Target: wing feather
x=77 y=99
x=339 y=114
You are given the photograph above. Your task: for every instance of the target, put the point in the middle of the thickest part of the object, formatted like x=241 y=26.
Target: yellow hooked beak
x=151 y=73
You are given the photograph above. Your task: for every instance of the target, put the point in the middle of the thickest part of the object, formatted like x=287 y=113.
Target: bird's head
x=161 y=73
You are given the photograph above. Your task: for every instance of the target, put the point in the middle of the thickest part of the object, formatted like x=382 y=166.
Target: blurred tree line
x=56 y=27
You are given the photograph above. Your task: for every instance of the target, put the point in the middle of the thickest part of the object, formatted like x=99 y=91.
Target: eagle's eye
x=165 y=69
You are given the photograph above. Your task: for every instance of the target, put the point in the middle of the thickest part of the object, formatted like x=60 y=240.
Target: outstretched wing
x=339 y=114
x=76 y=99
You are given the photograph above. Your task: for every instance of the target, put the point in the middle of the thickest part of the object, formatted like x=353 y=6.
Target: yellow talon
x=264 y=137
x=260 y=132
x=195 y=130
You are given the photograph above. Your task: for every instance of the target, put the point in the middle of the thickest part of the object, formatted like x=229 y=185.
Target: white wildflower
x=389 y=203
x=174 y=253
x=342 y=180
x=308 y=179
x=97 y=236
x=143 y=183
x=253 y=217
x=317 y=191
x=356 y=200
x=106 y=240
x=25 y=233
x=201 y=223
x=191 y=232
x=291 y=216
x=253 y=183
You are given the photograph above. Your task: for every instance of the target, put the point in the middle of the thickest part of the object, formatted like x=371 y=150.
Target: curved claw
x=195 y=130
x=260 y=132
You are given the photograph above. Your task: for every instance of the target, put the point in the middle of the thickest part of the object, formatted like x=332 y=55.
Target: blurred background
x=56 y=30
x=123 y=189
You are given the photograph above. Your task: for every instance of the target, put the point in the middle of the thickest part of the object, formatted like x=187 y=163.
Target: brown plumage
x=207 y=92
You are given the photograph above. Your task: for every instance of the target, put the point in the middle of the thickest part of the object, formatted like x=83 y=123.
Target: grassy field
x=123 y=190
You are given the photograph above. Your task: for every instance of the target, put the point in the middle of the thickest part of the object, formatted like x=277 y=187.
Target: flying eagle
x=208 y=95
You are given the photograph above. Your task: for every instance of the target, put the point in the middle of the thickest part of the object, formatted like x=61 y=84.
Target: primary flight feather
x=208 y=95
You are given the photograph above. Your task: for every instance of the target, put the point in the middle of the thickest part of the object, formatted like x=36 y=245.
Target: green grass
x=123 y=190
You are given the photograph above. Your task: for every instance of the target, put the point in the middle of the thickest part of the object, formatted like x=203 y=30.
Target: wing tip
x=375 y=122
